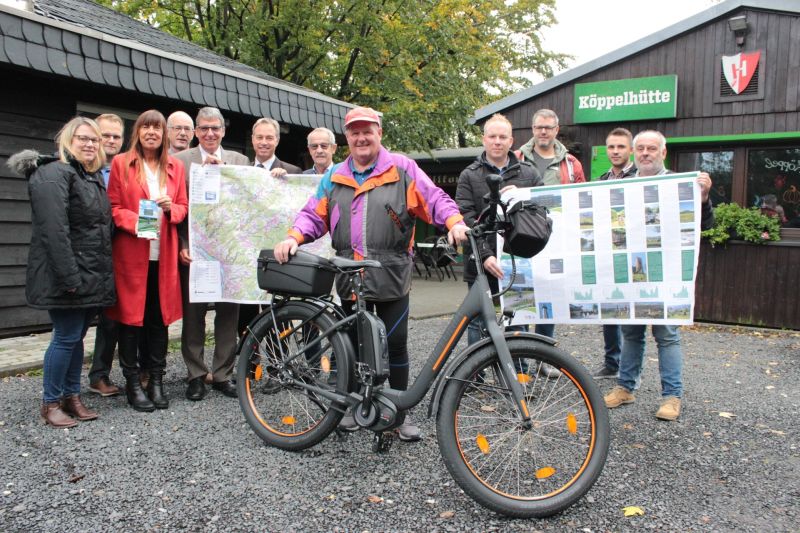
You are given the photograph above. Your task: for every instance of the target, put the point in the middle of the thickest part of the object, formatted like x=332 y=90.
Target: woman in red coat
x=146 y=268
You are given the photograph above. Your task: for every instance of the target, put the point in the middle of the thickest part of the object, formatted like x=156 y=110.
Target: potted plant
x=732 y=221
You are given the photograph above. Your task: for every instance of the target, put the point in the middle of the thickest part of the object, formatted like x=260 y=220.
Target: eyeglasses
x=206 y=129
x=544 y=128
x=183 y=128
x=324 y=146
x=108 y=136
x=85 y=139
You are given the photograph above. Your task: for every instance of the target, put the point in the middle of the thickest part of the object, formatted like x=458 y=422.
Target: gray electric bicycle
x=516 y=441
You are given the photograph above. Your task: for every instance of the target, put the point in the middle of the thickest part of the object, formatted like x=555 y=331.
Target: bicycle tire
x=519 y=473
x=283 y=414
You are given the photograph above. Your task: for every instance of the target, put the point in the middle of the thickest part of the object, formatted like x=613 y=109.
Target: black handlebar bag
x=529 y=229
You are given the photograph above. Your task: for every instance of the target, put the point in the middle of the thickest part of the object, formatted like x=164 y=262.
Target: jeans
x=612 y=338
x=64 y=356
x=670 y=358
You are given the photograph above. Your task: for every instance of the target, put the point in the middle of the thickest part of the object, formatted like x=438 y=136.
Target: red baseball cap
x=362 y=114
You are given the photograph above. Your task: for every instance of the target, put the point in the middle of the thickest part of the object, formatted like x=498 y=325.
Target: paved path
x=428 y=298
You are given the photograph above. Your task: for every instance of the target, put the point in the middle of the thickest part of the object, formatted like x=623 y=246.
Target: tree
x=426 y=64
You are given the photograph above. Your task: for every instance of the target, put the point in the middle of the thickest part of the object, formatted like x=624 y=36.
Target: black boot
x=136 y=396
x=155 y=390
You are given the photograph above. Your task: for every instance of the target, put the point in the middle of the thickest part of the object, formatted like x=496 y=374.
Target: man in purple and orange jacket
x=369 y=203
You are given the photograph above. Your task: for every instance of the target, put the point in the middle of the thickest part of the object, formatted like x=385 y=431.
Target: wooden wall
x=749 y=284
x=694 y=57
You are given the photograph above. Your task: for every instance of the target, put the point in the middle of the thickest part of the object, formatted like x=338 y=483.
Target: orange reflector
x=523 y=378
x=288 y=420
x=545 y=472
x=572 y=423
x=259 y=373
x=325 y=363
x=284 y=333
x=482 y=443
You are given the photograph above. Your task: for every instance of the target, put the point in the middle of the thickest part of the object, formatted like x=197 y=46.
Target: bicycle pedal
x=382 y=441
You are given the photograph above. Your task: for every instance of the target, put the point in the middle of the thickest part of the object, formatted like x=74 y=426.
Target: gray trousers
x=193 y=335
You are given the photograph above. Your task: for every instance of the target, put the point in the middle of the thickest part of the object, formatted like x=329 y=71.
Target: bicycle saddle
x=350 y=264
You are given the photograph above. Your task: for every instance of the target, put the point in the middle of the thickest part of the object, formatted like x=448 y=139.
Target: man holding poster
x=649 y=153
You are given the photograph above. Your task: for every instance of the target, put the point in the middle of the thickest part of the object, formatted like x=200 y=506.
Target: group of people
x=88 y=256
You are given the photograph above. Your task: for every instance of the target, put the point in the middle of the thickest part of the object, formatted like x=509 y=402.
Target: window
x=773 y=183
x=718 y=164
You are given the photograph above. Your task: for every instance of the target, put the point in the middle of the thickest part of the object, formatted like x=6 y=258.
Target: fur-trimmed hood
x=27 y=161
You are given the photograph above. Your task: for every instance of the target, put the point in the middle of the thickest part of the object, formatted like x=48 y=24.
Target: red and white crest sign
x=739 y=69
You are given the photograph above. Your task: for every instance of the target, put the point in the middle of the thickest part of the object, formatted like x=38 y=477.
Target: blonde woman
x=69 y=262
x=146 y=267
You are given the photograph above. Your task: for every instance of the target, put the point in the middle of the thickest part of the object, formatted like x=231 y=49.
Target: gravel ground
x=730 y=463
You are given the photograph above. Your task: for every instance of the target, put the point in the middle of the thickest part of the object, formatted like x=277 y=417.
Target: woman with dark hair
x=69 y=261
x=146 y=263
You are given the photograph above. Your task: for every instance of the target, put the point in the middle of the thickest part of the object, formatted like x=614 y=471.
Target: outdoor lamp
x=738 y=25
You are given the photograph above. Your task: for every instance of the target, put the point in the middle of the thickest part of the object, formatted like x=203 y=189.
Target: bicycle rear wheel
x=517 y=472
x=272 y=396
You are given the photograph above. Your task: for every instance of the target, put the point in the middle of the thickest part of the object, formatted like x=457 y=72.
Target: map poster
x=621 y=252
x=234 y=213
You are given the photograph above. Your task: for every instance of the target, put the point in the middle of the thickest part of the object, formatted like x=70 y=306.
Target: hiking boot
x=53 y=415
x=618 y=396
x=104 y=387
x=670 y=408
x=603 y=372
x=72 y=405
x=549 y=372
x=348 y=423
x=408 y=432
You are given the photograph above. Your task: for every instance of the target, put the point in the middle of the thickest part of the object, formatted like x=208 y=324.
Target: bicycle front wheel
x=273 y=380
x=521 y=472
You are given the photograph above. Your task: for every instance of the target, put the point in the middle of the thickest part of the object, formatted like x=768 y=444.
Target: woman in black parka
x=69 y=263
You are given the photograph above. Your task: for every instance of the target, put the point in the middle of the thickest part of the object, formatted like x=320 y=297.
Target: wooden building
x=59 y=58
x=724 y=88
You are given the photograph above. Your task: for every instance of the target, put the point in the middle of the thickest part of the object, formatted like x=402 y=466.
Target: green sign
x=625 y=100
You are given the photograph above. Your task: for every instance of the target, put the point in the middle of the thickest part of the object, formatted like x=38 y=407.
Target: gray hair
x=210 y=113
x=182 y=114
x=272 y=122
x=662 y=141
x=545 y=113
x=326 y=131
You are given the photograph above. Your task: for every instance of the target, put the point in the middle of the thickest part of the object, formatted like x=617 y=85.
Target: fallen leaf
x=777 y=432
x=706 y=433
x=725 y=414
x=639 y=446
x=627 y=426
x=633 y=511
x=447 y=514
x=76 y=478
x=374 y=499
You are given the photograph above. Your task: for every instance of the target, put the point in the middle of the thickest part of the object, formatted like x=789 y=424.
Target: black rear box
x=304 y=274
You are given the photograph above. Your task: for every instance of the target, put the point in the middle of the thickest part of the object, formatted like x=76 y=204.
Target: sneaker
x=550 y=372
x=104 y=388
x=618 y=396
x=348 y=423
x=670 y=408
x=408 y=432
x=604 y=373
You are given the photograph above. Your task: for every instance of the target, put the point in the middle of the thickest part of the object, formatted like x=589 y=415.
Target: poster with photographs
x=621 y=252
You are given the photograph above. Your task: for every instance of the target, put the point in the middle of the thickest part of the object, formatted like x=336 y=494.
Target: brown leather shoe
x=104 y=388
x=72 y=405
x=53 y=414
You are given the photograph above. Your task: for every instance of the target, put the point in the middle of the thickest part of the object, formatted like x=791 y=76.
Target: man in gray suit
x=210 y=129
x=321 y=146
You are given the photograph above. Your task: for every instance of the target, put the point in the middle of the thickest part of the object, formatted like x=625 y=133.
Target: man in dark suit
x=266 y=136
x=210 y=129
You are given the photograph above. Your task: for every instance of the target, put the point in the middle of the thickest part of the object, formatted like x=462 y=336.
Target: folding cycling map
x=234 y=213
x=621 y=252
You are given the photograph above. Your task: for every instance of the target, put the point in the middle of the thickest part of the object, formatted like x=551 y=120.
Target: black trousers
x=105 y=342
x=153 y=331
x=395 y=316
